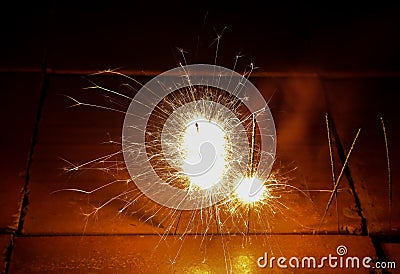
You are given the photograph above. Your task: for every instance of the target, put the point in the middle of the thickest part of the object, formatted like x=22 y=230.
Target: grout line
x=8 y=253
x=377 y=243
x=25 y=189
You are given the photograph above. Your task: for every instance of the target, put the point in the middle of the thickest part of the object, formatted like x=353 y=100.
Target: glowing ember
x=251 y=190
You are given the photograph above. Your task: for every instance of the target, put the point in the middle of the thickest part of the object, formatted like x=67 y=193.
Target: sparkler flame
x=205 y=153
x=251 y=190
x=197 y=108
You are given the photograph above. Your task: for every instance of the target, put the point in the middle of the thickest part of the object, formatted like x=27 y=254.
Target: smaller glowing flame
x=250 y=190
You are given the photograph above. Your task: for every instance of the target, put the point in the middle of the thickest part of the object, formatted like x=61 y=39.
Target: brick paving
x=45 y=231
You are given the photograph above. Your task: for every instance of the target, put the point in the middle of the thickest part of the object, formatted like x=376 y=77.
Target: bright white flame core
x=250 y=190
x=204 y=150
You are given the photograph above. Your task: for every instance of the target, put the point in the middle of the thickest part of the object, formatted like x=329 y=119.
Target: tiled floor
x=133 y=254
x=49 y=233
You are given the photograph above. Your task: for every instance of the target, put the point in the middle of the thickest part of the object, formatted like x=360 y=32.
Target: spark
x=389 y=171
x=327 y=118
x=336 y=186
x=251 y=190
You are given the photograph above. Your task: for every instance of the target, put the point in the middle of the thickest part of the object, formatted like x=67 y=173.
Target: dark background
x=286 y=36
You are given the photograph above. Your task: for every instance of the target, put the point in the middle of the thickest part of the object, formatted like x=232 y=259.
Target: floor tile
x=392 y=251
x=4 y=245
x=359 y=103
x=21 y=97
x=76 y=136
x=146 y=254
x=298 y=105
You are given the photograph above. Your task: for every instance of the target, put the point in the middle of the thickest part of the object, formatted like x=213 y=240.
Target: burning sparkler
x=192 y=135
x=199 y=141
